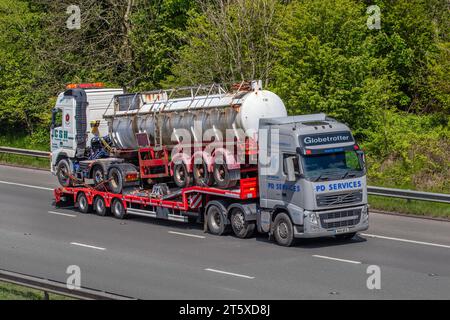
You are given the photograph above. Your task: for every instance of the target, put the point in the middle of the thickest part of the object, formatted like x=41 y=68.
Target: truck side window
x=296 y=165
x=56 y=118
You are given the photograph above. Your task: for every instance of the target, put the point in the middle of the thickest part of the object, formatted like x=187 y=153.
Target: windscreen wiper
x=347 y=173
x=320 y=177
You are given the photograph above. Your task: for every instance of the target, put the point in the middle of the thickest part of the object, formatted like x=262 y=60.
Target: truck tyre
x=118 y=210
x=100 y=206
x=216 y=220
x=82 y=203
x=283 y=230
x=98 y=175
x=115 y=178
x=346 y=236
x=202 y=176
x=181 y=176
x=241 y=228
x=63 y=173
x=222 y=177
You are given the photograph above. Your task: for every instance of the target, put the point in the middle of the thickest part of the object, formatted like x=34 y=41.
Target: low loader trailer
x=287 y=176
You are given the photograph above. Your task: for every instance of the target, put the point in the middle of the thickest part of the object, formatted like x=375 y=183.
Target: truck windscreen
x=329 y=166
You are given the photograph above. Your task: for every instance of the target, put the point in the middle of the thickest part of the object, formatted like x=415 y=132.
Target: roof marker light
x=95 y=85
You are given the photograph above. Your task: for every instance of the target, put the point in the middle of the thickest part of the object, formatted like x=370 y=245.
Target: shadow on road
x=262 y=238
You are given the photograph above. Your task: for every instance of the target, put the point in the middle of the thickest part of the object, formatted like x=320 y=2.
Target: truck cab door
x=275 y=185
x=63 y=124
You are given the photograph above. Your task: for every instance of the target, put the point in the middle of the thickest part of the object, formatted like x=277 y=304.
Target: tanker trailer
x=172 y=130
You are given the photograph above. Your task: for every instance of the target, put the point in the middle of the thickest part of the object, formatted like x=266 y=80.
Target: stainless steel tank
x=140 y=113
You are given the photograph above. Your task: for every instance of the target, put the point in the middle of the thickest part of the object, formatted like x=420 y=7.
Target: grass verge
x=24 y=142
x=415 y=207
x=25 y=161
x=10 y=291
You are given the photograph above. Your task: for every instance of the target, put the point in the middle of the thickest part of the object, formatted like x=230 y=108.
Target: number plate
x=341 y=230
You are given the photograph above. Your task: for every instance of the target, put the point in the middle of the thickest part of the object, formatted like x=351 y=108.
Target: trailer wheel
x=222 y=176
x=83 y=204
x=215 y=220
x=202 y=176
x=115 y=178
x=100 y=206
x=241 y=228
x=63 y=173
x=283 y=230
x=181 y=176
x=118 y=210
x=98 y=175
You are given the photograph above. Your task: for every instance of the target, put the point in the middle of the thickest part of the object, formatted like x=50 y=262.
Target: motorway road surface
x=152 y=259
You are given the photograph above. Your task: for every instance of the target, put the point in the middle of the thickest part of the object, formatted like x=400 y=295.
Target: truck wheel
x=100 y=206
x=98 y=175
x=181 y=176
x=202 y=176
x=115 y=178
x=118 y=210
x=216 y=221
x=283 y=230
x=222 y=177
x=241 y=228
x=82 y=203
x=63 y=173
x=346 y=236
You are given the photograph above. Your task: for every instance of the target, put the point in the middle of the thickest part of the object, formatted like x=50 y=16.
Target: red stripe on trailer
x=195 y=201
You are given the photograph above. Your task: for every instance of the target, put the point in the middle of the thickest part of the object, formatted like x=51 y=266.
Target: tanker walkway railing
x=55 y=287
x=375 y=191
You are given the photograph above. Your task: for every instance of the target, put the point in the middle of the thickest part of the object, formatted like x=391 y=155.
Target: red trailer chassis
x=190 y=199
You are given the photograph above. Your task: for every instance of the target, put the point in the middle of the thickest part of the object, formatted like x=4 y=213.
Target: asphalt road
x=151 y=259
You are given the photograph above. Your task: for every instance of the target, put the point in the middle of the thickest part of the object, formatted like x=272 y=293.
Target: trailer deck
x=186 y=199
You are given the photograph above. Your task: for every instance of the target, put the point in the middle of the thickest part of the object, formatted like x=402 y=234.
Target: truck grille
x=326 y=200
x=339 y=219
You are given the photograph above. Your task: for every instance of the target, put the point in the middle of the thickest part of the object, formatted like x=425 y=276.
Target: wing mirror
x=362 y=159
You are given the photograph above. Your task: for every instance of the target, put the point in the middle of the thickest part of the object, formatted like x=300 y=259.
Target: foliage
x=20 y=80
x=411 y=152
x=230 y=40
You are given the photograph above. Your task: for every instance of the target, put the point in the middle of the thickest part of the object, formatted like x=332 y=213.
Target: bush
x=410 y=151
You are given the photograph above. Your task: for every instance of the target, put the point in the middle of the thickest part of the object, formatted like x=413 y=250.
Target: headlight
x=313 y=218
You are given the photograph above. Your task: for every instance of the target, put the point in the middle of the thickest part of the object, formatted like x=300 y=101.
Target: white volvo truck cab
x=70 y=135
x=312 y=171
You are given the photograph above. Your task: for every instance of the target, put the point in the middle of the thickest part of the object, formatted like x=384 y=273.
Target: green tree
x=21 y=79
x=229 y=40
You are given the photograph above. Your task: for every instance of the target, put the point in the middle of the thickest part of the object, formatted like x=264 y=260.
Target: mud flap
x=205 y=223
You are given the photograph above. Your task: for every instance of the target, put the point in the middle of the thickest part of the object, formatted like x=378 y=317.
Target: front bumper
x=348 y=221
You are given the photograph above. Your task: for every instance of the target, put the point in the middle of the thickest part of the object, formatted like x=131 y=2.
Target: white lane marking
x=62 y=214
x=230 y=273
x=186 y=234
x=87 y=246
x=25 y=185
x=337 y=259
x=406 y=240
